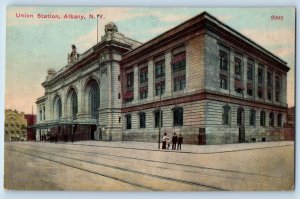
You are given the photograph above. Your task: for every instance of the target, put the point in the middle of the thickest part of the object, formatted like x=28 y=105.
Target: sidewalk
x=186 y=148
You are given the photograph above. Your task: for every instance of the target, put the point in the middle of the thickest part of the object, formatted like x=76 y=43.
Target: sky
x=34 y=45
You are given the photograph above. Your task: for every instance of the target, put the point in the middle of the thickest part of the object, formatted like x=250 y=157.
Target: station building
x=199 y=78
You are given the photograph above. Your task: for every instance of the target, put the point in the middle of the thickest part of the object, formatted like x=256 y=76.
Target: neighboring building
x=15 y=126
x=289 y=126
x=31 y=120
x=206 y=78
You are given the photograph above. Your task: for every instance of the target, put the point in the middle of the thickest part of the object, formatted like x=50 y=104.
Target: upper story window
x=143 y=92
x=179 y=61
x=238 y=66
x=159 y=75
x=144 y=75
x=269 y=79
x=128 y=95
x=277 y=88
x=179 y=68
x=143 y=86
x=160 y=68
x=250 y=72
x=223 y=82
x=226 y=115
x=223 y=60
x=260 y=92
x=178 y=116
x=260 y=74
x=250 y=89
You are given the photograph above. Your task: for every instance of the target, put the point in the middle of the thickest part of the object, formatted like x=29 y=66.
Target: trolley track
x=167 y=163
x=38 y=154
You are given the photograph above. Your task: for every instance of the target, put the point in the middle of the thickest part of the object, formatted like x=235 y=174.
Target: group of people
x=175 y=141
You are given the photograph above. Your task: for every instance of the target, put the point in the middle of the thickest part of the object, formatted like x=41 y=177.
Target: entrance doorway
x=202 y=137
x=241 y=124
x=93 y=129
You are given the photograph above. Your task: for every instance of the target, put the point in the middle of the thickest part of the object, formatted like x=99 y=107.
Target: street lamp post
x=160 y=90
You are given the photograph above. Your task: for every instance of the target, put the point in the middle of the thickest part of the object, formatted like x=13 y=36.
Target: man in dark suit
x=180 y=139
x=174 y=141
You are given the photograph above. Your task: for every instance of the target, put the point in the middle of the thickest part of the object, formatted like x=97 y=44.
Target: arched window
x=271 y=119
x=240 y=117
x=178 y=116
x=74 y=105
x=252 y=117
x=128 y=121
x=142 y=120
x=279 y=120
x=94 y=98
x=226 y=115
x=262 y=118
x=158 y=118
x=57 y=108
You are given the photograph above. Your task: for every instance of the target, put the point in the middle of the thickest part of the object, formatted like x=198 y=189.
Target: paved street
x=133 y=166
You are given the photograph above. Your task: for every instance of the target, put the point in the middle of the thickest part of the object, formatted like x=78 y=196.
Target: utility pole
x=159 y=130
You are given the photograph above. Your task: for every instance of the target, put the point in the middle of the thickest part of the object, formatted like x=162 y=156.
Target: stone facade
x=203 y=99
x=200 y=66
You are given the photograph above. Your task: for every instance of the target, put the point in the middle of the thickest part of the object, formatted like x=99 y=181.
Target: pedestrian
x=174 y=141
x=164 y=141
x=168 y=142
x=180 y=139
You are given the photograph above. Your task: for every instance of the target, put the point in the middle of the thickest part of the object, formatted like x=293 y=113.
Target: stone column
x=265 y=81
x=150 y=79
x=168 y=74
x=135 y=84
x=255 y=79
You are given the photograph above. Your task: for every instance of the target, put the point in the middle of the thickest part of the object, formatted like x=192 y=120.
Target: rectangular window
x=179 y=61
x=250 y=72
x=223 y=82
x=178 y=67
x=160 y=68
x=260 y=93
x=144 y=75
x=250 y=89
x=269 y=94
x=238 y=66
x=130 y=81
x=143 y=92
x=179 y=83
x=142 y=120
x=160 y=88
x=260 y=75
x=156 y=118
x=128 y=121
x=239 y=86
x=277 y=88
x=178 y=116
x=128 y=95
x=269 y=79
x=223 y=60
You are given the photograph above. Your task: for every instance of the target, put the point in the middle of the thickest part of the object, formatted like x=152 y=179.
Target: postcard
x=150 y=99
